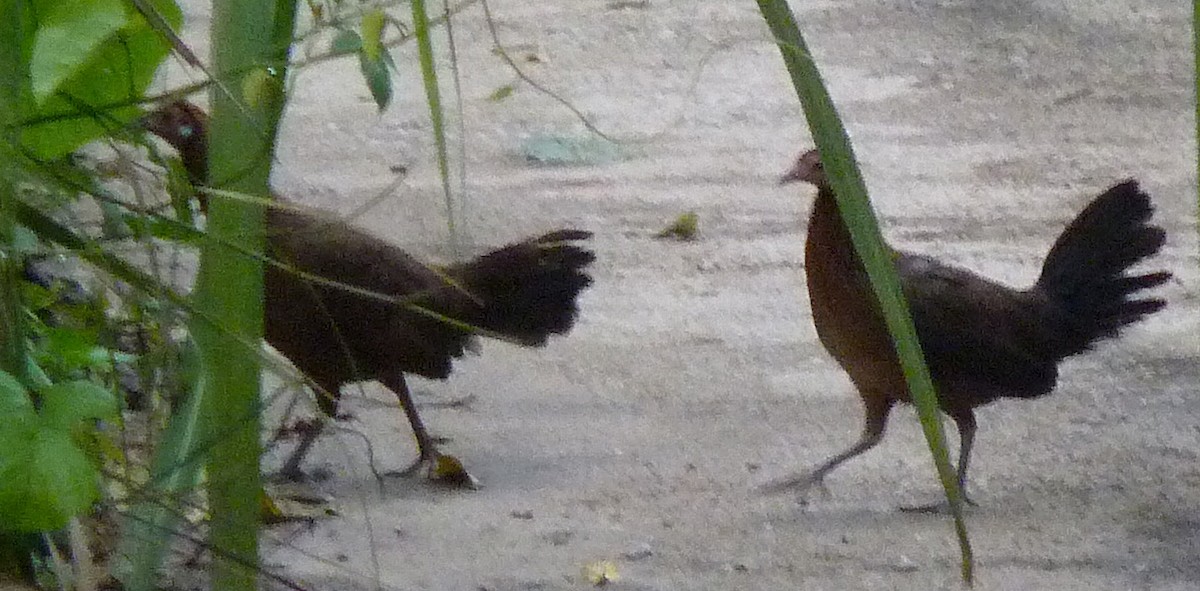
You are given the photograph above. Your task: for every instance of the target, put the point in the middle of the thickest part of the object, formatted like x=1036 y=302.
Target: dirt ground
x=694 y=373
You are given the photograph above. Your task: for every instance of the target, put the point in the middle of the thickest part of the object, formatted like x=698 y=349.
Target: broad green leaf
x=68 y=34
x=84 y=105
x=44 y=479
x=67 y=403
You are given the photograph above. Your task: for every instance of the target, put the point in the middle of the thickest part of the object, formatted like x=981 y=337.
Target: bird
x=524 y=292
x=982 y=340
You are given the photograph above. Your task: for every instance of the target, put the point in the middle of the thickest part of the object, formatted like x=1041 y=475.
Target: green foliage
x=46 y=476
x=373 y=59
x=88 y=65
x=66 y=39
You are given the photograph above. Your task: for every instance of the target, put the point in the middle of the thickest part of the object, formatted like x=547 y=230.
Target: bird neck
x=828 y=238
x=194 y=156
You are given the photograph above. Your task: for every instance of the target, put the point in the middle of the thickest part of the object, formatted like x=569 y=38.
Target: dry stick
x=500 y=51
x=587 y=123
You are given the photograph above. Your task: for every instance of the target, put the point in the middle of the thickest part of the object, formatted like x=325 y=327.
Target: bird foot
x=938 y=508
x=798 y=483
x=289 y=475
x=442 y=469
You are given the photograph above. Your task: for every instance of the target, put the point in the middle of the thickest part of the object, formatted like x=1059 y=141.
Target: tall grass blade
x=837 y=155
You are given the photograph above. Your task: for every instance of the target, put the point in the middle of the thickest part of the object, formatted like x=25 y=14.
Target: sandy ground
x=694 y=372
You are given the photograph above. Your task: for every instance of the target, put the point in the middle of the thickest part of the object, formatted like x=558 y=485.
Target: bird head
x=185 y=127
x=807 y=169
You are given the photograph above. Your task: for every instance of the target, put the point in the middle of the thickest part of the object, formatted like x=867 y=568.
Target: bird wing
x=383 y=335
x=351 y=255
x=977 y=334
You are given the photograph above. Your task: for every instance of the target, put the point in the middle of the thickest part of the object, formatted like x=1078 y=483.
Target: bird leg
x=426 y=446
x=443 y=468
x=291 y=468
x=965 y=421
x=875 y=417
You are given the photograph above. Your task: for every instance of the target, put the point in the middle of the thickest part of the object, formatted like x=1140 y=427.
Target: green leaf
x=36 y=297
x=372 y=34
x=113 y=225
x=116 y=72
x=45 y=479
x=74 y=348
x=25 y=241
x=345 y=43
x=501 y=93
x=15 y=404
x=68 y=35
x=65 y=404
x=259 y=86
x=176 y=471
x=562 y=150
x=379 y=79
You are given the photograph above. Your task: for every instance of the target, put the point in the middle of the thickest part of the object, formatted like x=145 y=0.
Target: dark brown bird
x=523 y=292
x=982 y=340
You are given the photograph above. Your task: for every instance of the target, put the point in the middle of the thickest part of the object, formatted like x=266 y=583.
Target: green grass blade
x=433 y=97
x=148 y=529
x=16 y=99
x=838 y=157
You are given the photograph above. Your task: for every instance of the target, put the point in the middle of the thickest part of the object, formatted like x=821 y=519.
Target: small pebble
x=559 y=537
x=904 y=565
x=640 y=552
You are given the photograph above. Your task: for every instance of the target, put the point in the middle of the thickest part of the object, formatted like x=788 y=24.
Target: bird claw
x=292 y=475
x=799 y=484
x=441 y=468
